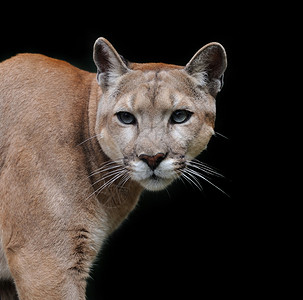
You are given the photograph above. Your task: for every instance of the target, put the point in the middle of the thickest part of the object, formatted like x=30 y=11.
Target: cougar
x=78 y=148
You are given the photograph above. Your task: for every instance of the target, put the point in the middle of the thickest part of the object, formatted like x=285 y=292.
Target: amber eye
x=180 y=116
x=126 y=118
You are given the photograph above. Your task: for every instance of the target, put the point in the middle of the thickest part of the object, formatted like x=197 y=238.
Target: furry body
x=71 y=171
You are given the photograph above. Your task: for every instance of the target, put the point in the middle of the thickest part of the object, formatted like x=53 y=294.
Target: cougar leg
x=44 y=276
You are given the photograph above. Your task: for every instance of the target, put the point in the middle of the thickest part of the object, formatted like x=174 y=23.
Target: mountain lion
x=76 y=152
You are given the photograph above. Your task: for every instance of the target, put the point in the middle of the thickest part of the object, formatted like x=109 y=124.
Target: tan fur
x=62 y=147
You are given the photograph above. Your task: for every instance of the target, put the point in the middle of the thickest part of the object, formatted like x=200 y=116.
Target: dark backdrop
x=182 y=242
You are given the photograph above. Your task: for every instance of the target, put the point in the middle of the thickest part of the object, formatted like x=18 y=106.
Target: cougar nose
x=153 y=161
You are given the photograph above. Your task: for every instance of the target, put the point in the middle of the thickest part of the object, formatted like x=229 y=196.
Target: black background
x=182 y=242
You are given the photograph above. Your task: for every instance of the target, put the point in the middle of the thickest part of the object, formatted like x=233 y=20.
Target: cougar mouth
x=154 y=180
x=155 y=183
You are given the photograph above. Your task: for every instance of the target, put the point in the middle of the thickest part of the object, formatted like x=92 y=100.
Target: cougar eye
x=180 y=116
x=126 y=118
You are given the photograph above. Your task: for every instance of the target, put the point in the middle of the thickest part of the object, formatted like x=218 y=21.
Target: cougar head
x=154 y=118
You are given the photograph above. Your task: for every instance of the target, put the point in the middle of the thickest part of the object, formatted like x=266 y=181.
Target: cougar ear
x=208 y=66
x=110 y=64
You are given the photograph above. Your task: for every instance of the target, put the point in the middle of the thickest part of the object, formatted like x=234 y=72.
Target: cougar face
x=154 y=118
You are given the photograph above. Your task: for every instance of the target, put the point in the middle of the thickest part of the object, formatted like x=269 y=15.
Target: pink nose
x=152 y=161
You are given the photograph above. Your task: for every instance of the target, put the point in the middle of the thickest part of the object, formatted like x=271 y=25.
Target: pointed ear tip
x=99 y=40
x=216 y=45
